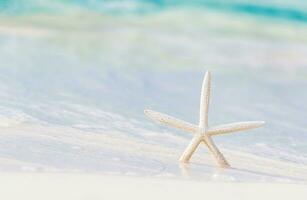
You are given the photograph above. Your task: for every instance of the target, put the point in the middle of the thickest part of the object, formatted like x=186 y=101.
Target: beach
x=95 y=186
x=76 y=78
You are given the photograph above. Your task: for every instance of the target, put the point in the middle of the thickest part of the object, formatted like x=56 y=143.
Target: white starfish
x=203 y=133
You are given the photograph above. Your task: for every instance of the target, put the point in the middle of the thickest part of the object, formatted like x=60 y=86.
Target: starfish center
x=202 y=131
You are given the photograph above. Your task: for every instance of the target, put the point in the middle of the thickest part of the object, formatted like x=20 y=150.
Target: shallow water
x=74 y=86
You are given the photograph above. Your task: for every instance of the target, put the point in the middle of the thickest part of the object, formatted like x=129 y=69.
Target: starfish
x=202 y=132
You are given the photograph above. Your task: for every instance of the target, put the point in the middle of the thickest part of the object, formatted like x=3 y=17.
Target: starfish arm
x=187 y=154
x=168 y=120
x=232 y=127
x=204 y=100
x=222 y=162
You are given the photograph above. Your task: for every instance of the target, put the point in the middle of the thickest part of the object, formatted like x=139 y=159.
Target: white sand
x=91 y=187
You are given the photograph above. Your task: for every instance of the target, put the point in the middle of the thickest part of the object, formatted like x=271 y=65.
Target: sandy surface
x=81 y=186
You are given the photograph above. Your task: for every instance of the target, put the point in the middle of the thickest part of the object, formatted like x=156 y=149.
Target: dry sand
x=45 y=186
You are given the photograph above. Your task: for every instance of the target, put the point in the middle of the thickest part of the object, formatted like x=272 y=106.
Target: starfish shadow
x=186 y=172
x=277 y=176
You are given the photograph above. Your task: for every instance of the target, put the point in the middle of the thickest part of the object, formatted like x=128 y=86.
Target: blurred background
x=76 y=76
